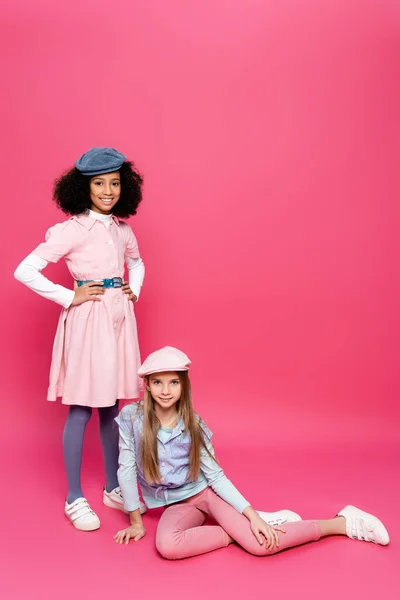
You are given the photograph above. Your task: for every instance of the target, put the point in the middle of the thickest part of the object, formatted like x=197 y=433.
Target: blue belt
x=115 y=282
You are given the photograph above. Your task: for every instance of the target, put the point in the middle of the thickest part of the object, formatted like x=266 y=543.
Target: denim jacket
x=173 y=447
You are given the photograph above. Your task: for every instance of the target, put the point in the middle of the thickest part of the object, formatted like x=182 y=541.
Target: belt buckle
x=116 y=282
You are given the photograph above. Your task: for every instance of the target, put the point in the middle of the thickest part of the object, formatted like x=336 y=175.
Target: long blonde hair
x=151 y=425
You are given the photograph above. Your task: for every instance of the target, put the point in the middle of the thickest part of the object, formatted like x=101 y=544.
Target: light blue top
x=173 y=447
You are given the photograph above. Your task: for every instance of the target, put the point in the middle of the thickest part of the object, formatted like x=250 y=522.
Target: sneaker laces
x=276 y=522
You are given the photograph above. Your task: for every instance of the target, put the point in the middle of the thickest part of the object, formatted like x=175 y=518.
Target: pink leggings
x=180 y=533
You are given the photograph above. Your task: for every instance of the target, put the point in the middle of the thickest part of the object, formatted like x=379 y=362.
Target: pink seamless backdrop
x=268 y=136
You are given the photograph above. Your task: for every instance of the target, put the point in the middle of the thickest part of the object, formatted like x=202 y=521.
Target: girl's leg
x=78 y=417
x=109 y=442
x=238 y=527
x=336 y=526
x=180 y=533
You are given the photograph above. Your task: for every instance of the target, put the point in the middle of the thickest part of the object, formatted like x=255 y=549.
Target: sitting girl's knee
x=259 y=551
x=167 y=547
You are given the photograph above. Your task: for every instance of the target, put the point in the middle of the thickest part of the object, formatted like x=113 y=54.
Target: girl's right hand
x=88 y=292
x=134 y=532
x=265 y=534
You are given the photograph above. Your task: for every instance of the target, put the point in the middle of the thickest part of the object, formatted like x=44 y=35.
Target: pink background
x=268 y=135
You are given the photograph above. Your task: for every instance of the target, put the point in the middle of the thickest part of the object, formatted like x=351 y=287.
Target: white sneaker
x=363 y=526
x=114 y=499
x=279 y=517
x=81 y=515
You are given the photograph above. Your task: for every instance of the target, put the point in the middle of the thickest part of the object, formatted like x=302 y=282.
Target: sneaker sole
x=84 y=526
x=118 y=506
x=356 y=512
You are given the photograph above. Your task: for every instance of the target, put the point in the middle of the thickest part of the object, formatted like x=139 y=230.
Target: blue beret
x=100 y=160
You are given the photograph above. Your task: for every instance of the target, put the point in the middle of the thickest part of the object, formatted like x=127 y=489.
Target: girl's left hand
x=127 y=290
x=134 y=532
x=265 y=534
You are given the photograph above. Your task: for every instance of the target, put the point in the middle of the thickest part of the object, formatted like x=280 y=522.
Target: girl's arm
x=221 y=485
x=136 y=273
x=29 y=273
x=127 y=480
x=60 y=240
x=133 y=261
x=218 y=481
x=127 y=477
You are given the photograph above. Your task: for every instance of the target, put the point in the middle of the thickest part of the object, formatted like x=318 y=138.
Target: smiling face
x=105 y=191
x=165 y=389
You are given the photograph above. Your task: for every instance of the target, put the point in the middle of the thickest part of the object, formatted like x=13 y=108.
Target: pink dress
x=96 y=352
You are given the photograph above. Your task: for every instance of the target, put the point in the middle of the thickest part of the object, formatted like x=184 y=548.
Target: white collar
x=100 y=217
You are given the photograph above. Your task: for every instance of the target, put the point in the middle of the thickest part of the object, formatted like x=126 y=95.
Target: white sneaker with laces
x=81 y=515
x=280 y=517
x=114 y=499
x=363 y=526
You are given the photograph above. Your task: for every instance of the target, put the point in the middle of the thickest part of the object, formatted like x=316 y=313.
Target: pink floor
x=44 y=557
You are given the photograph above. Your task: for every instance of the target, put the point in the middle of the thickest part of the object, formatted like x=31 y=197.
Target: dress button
x=116 y=300
x=162 y=478
x=110 y=242
x=163 y=465
x=115 y=325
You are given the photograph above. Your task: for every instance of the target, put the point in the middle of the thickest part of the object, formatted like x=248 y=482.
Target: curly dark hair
x=72 y=192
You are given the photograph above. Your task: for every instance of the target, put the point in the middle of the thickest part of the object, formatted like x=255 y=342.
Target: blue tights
x=78 y=418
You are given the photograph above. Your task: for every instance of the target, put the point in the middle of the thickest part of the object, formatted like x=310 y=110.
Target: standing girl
x=96 y=341
x=167 y=447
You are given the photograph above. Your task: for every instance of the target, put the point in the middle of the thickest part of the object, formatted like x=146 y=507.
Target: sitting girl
x=166 y=447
